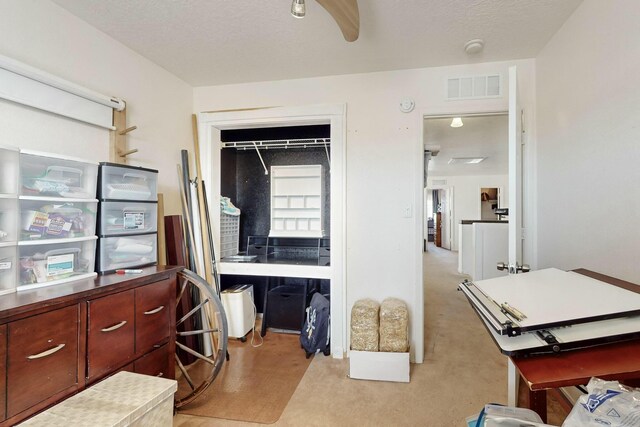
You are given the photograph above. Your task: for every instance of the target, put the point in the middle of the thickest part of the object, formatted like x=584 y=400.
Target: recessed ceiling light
x=465 y=160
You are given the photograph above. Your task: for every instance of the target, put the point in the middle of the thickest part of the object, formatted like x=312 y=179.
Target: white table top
x=553 y=296
x=275 y=270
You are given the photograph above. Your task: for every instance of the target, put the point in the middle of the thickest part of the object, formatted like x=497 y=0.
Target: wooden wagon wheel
x=201 y=337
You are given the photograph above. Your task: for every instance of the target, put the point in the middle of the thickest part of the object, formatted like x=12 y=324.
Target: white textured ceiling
x=482 y=136
x=211 y=42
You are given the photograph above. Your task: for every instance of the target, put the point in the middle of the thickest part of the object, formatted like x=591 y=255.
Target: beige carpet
x=257 y=383
x=462 y=371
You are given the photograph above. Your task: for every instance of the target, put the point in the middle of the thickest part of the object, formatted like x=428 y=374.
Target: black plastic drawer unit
x=286 y=307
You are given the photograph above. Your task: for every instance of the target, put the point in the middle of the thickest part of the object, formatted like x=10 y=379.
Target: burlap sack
x=394 y=326
x=365 y=319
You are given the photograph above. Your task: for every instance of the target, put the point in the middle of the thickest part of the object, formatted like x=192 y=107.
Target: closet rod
x=278 y=144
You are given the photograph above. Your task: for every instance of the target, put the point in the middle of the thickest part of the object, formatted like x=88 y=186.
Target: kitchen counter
x=474 y=221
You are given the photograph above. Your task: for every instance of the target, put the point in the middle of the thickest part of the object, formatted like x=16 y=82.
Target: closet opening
x=275 y=193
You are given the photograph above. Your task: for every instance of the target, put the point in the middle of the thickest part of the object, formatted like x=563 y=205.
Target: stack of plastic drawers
x=128 y=220
x=8 y=218
x=57 y=220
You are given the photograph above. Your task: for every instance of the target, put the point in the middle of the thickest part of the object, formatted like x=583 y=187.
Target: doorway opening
x=467 y=172
x=289 y=187
x=262 y=219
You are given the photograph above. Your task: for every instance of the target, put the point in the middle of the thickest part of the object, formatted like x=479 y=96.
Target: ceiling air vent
x=473 y=87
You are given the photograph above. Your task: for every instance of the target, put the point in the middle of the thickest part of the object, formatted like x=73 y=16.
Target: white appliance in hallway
x=239 y=308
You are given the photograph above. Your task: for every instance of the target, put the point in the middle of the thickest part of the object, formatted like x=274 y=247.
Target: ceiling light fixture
x=298 y=9
x=465 y=160
x=456 y=122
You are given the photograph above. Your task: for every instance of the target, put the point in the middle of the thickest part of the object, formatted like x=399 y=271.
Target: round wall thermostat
x=406 y=105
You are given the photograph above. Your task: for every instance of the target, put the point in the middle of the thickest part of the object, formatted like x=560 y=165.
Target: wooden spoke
x=193 y=310
x=198 y=332
x=195 y=353
x=183 y=287
x=184 y=372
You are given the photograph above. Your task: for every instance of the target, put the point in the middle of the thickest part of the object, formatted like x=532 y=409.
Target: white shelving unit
x=296 y=201
x=8 y=218
x=57 y=219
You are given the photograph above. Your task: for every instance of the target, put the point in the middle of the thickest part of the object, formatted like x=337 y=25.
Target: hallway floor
x=462 y=371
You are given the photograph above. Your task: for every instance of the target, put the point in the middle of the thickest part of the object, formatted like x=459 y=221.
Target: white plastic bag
x=494 y=415
x=607 y=403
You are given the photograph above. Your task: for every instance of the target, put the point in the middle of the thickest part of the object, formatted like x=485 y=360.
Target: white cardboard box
x=379 y=366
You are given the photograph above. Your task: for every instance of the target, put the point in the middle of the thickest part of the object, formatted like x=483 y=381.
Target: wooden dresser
x=57 y=340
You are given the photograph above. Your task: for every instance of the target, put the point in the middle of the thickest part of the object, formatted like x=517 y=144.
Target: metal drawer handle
x=155 y=310
x=46 y=352
x=114 y=327
x=160 y=375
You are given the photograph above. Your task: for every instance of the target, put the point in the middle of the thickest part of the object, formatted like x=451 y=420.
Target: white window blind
x=23 y=84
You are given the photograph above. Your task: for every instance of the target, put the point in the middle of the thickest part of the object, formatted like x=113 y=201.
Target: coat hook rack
x=127 y=130
x=119 y=150
x=126 y=153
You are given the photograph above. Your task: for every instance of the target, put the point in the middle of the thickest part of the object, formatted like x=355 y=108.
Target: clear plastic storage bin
x=8 y=219
x=57 y=176
x=7 y=268
x=121 y=182
x=127 y=252
x=54 y=262
x=120 y=218
x=42 y=219
x=9 y=170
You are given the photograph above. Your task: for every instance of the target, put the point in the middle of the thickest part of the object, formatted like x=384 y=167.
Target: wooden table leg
x=538 y=403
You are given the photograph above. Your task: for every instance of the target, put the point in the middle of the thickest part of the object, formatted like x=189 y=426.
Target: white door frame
x=483 y=108
x=209 y=126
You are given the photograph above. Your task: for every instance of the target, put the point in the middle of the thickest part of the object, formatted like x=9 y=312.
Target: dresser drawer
x=42 y=357
x=152 y=315
x=110 y=333
x=156 y=363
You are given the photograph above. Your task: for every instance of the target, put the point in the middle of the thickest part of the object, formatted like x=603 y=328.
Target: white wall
x=44 y=35
x=588 y=173
x=466 y=196
x=383 y=254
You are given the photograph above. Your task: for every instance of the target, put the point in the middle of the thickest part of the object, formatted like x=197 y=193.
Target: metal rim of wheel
x=206 y=324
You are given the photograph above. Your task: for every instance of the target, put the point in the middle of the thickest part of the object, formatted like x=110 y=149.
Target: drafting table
x=552 y=310
x=594 y=315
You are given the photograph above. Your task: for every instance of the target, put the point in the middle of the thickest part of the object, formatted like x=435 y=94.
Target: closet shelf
x=278 y=144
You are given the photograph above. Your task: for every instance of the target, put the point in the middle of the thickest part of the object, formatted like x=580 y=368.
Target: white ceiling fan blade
x=346 y=15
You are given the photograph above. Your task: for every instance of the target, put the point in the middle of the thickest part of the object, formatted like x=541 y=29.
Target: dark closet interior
x=243 y=179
